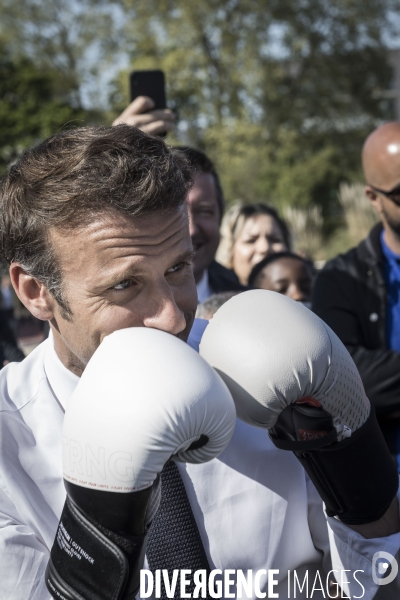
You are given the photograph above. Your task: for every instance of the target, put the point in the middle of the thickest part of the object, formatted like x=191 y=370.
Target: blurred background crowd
x=280 y=107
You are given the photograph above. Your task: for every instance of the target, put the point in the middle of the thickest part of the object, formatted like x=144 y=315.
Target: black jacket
x=350 y=296
x=221 y=279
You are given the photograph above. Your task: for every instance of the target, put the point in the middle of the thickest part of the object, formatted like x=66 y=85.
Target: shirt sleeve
x=318 y=525
x=23 y=557
x=349 y=556
x=350 y=551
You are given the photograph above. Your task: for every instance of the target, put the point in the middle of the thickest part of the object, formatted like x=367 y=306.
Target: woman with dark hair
x=249 y=233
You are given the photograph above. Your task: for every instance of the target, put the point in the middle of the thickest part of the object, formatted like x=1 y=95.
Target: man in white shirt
x=94 y=227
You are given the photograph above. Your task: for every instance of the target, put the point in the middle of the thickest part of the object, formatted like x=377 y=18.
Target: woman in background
x=249 y=233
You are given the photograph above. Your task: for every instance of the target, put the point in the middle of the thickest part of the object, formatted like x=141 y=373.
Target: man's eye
x=176 y=268
x=122 y=285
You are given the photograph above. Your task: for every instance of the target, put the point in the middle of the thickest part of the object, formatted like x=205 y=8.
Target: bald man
x=358 y=293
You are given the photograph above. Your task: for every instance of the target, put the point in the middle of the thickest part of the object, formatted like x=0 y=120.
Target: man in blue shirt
x=357 y=293
x=392 y=279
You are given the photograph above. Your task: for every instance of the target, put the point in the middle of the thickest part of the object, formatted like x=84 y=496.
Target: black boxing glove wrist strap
x=356 y=478
x=304 y=445
x=89 y=562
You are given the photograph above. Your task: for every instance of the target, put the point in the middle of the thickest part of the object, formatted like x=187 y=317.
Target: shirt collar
x=196 y=333
x=388 y=253
x=203 y=288
x=62 y=381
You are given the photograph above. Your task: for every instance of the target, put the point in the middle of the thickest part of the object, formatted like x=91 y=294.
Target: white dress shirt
x=254 y=506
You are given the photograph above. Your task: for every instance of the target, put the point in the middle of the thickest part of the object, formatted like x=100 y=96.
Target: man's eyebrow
x=187 y=255
x=114 y=278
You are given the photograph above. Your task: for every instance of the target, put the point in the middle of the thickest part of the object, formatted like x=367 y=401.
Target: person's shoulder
x=367 y=251
x=341 y=262
x=340 y=276
x=20 y=381
x=222 y=279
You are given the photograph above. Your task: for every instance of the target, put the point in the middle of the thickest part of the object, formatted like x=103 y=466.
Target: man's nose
x=163 y=313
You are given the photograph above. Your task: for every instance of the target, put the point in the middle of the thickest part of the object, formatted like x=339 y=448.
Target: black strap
x=174 y=540
x=302 y=446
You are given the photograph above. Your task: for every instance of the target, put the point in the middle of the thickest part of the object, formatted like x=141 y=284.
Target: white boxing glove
x=145 y=397
x=272 y=352
x=288 y=372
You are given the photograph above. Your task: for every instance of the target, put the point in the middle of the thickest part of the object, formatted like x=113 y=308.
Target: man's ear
x=374 y=198
x=33 y=294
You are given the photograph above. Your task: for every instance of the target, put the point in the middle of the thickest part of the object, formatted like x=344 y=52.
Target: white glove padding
x=145 y=396
x=271 y=352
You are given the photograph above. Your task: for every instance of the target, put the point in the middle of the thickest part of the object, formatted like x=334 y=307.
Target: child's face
x=288 y=276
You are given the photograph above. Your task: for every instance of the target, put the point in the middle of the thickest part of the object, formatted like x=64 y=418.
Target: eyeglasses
x=393 y=195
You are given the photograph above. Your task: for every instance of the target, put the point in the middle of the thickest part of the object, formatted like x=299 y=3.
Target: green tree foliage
x=280 y=93
x=30 y=107
x=76 y=40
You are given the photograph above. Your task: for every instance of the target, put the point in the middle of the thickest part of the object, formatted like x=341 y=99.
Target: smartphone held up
x=149 y=83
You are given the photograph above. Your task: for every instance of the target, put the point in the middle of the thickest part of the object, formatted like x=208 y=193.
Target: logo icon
x=379 y=569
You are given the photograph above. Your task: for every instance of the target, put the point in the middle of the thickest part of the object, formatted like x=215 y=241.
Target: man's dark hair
x=202 y=164
x=72 y=178
x=257 y=270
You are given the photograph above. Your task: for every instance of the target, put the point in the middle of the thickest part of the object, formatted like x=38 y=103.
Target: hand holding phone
x=147 y=111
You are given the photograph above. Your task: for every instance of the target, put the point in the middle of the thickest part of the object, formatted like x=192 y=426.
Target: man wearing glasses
x=358 y=293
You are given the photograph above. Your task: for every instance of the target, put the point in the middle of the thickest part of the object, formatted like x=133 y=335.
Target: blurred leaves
x=30 y=107
x=281 y=94
x=73 y=39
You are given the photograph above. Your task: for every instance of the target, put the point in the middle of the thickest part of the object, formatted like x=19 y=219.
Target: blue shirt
x=392 y=279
